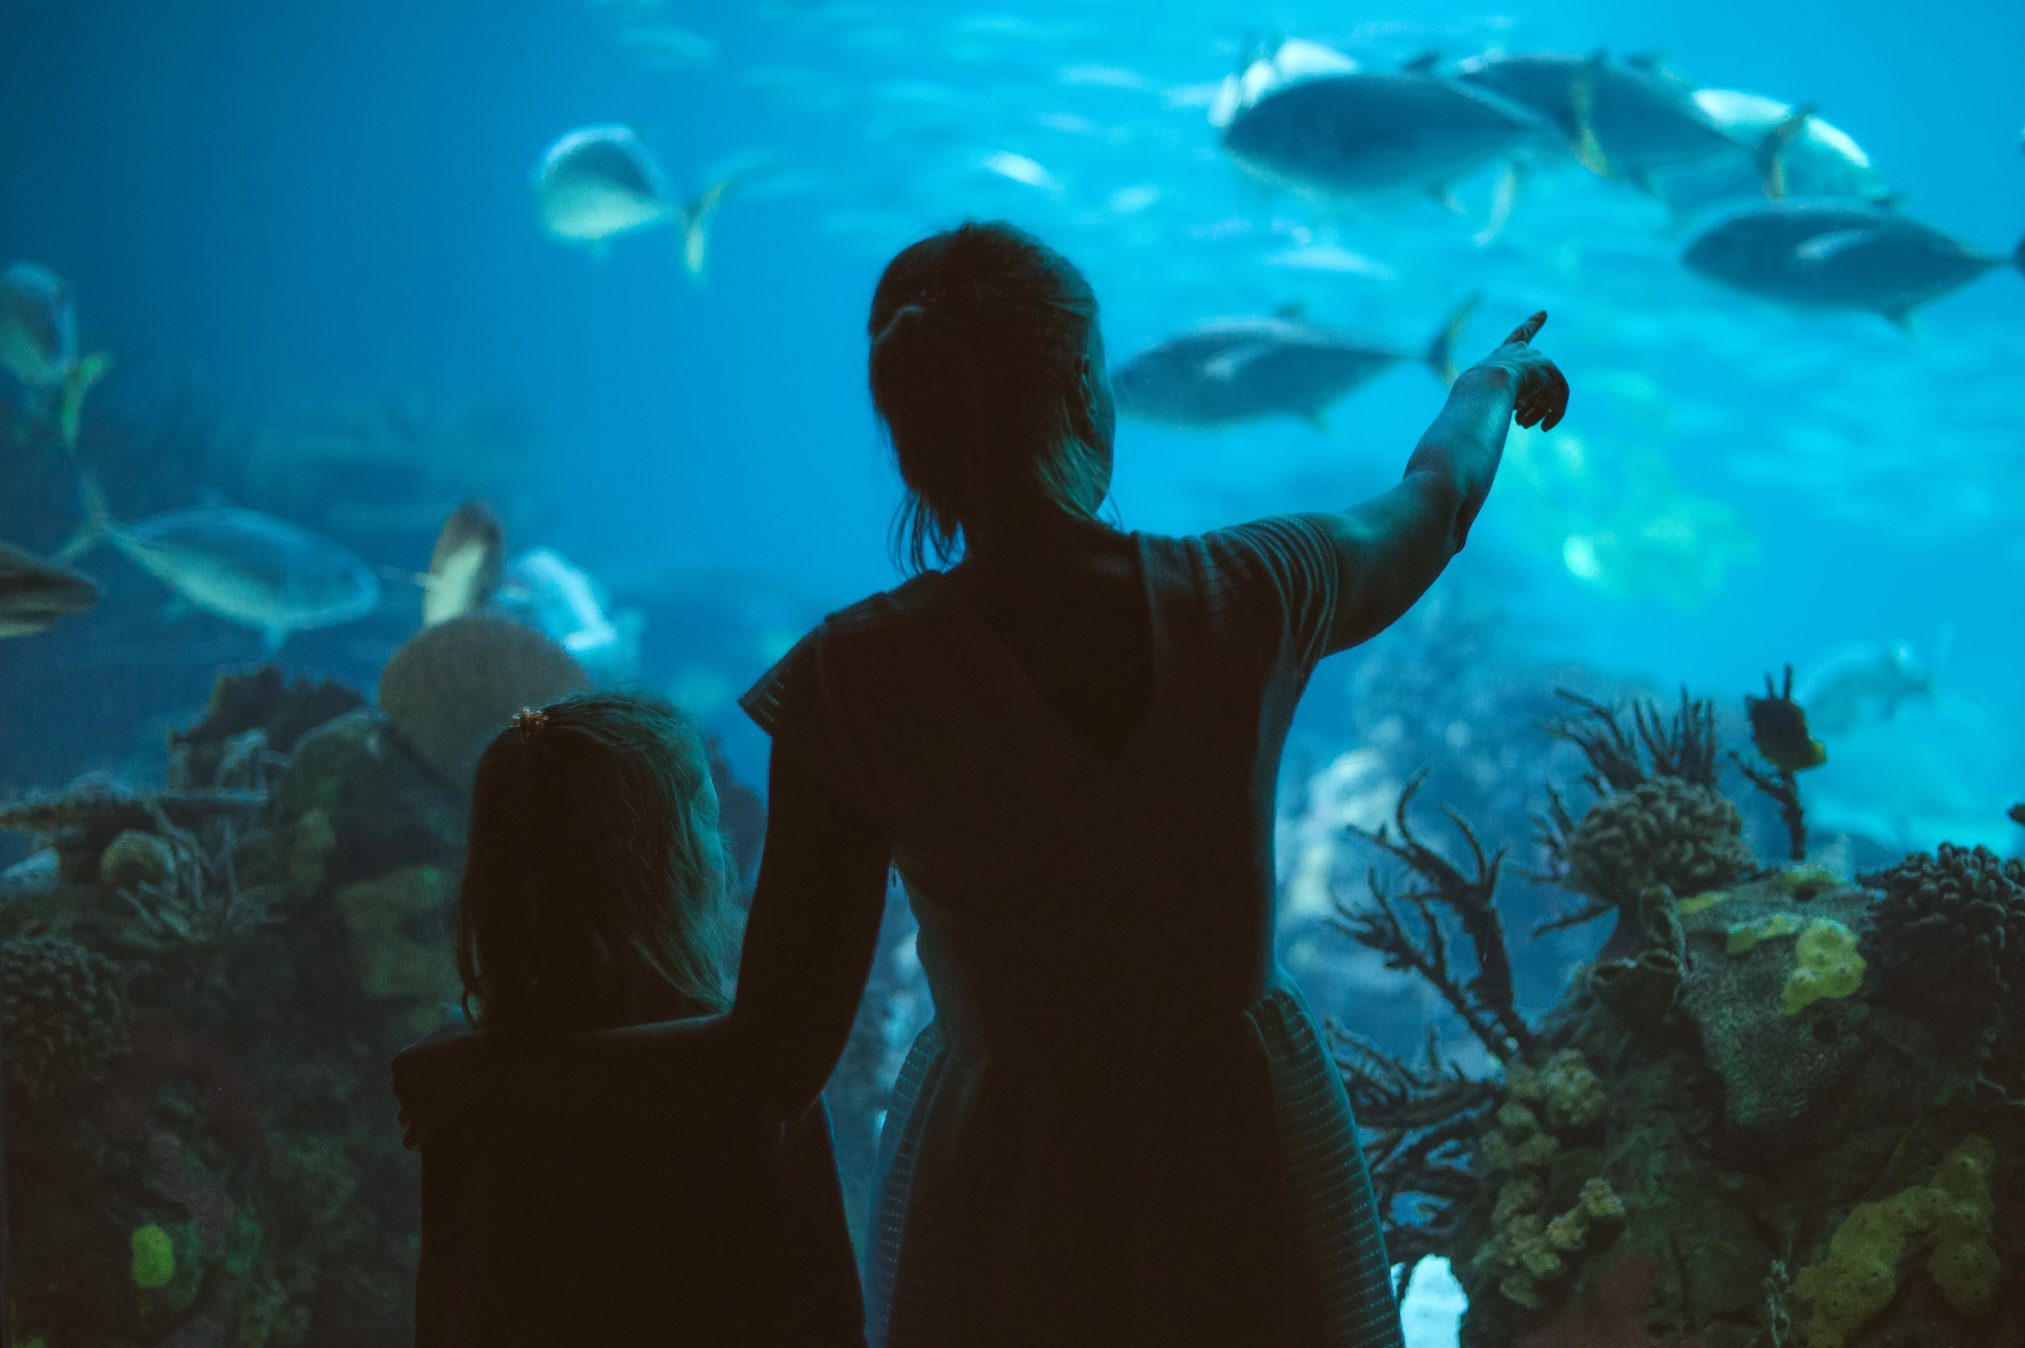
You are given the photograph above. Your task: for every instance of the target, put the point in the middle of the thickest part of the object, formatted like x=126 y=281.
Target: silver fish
x=38 y=325
x=1866 y=681
x=1837 y=254
x=38 y=346
x=1623 y=119
x=599 y=182
x=1366 y=132
x=245 y=567
x=35 y=593
x=1244 y=369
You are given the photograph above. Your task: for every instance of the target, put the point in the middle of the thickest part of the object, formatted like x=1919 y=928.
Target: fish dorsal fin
x=1772 y=149
x=1582 y=103
x=1893 y=199
x=1424 y=64
x=1652 y=62
x=1294 y=311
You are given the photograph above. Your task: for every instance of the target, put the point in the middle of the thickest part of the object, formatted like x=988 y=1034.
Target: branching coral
x=1485 y=1002
x=196 y=913
x=64 y=1017
x=1423 y=1119
x=82 y=822
x=1658 y=821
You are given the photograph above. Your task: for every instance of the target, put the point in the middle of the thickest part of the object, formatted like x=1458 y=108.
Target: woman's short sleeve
x=1288 y=564
x=799 y=703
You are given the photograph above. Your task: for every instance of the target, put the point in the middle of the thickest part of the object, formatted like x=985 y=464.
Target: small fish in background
x=1868 y=682
x=668 y=46
x=35 y=593
x=546 y=591
x=1242 y=369
x=1779 y=729
x=38 y=345
x=1020 y=169
x=1834 y=254
x=599 y=182
x=1626 y=120
x=467 y=565
x=245 y=567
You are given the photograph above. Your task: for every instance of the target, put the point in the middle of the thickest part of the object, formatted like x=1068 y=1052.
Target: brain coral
x=1661 y=831
x=64 y=1018
x=454 y=686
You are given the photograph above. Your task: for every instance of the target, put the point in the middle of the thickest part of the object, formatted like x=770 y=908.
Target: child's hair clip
x=530 y=720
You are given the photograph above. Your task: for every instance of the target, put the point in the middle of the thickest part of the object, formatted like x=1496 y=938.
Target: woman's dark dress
x=1123 y=1127
x=545 y=1226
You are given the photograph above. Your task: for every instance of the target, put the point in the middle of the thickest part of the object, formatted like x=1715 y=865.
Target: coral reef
x=1865 y=1261
x=453 y=686
x=252 y=724
x=1658 y=821
x=203 y=983
x=1766 y=1071
x=64 y=1018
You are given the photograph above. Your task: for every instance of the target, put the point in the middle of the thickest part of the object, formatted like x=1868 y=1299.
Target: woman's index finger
x=1525 y=331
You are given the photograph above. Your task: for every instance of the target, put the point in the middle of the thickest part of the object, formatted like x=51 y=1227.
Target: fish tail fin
x=2018 y=256
x=1773 y=146
x=1582 y=98
x=1502 y=202
x=98 y=521
x=1441 y=351
x=694 y=218
x=76 y=384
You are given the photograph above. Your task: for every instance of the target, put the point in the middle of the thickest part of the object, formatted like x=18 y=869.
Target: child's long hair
x=594 y=890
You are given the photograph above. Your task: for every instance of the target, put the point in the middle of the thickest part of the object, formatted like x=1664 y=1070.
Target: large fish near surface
x=1837 y=254
x=1245 y=369
x=599 y=182
x=1285 y=63
x=35 y=593
x=245 y=567
x=1363 y=132
x=1796 y=153
x=1623 y=119
x=38 y=344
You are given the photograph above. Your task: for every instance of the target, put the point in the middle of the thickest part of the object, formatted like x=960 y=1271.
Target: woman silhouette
x=1122 y=1127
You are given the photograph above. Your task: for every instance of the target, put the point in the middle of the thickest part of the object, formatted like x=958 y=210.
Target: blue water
x=302 y=214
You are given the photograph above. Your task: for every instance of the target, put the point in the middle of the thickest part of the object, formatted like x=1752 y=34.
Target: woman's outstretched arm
x=809 y=945
x=1391 y=547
